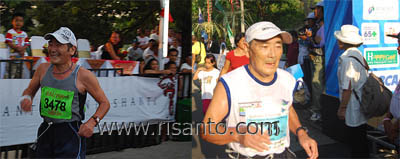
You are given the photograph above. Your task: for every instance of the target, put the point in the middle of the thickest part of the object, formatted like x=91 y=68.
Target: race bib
x=271 y=118
x=56 y=103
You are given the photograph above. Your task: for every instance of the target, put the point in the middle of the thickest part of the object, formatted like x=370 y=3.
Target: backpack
x=375 y=99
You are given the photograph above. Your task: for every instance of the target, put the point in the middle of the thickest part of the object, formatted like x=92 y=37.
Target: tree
x=93 y=20
x=286 y=14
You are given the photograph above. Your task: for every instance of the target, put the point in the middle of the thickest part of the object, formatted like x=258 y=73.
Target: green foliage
x=92 y=20
x=286 y=14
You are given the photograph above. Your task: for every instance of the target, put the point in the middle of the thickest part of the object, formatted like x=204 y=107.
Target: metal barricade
x=14 y=68
x=98 y=72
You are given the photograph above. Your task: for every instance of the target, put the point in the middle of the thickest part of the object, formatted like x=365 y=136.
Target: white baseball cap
x=63 y=35
x=266 y=30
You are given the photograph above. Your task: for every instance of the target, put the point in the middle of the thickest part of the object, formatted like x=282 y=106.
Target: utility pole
x=242 y=16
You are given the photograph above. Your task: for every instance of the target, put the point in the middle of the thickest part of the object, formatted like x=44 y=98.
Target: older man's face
x=59 y=53
x=265 y=55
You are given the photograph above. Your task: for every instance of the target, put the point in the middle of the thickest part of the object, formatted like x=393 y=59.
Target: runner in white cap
x=64 y=87
x=260 y=93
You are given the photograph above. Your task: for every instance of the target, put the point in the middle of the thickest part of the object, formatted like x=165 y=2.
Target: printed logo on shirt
x=243 y=106
x=208 y=79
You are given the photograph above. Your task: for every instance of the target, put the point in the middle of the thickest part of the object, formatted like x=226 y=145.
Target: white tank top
x=251 y=100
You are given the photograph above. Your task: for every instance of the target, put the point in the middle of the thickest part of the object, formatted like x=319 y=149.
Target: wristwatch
x=96 y=119
x=301 y=127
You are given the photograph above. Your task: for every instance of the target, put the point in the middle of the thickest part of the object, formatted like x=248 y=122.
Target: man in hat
x=64 y=86
x=135 y=53
x=255 y=100
x=351 y=76
x=317 y=55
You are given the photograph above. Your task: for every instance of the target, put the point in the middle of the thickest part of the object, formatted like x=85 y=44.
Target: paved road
x=168 y=149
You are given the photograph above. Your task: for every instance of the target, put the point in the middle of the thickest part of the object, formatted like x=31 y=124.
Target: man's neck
x=262 y=78
x=62 y=67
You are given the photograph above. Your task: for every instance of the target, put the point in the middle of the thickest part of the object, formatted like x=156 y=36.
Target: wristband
x=25 y=97
x=301 y=127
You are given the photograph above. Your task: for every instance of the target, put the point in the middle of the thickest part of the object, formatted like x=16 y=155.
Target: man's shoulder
x=234 y=74
x=85 y=75
x=285 y=76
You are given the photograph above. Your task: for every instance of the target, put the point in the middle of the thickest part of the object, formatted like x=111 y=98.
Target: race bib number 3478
x=56 y=103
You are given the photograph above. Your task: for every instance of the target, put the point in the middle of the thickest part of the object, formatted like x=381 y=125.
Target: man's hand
x=26 y=105
x=86 y=129
x=309 y=145
x=256 y=141
x=390 y=130
x=308 y=33
x=341 y=113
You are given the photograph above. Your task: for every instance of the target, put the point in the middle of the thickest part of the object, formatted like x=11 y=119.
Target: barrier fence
x=14 y=68
x=105 y=143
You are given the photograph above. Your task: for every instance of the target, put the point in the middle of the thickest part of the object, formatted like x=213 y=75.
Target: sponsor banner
x=391 y=28
x=389 y=77
x=380 y=10
x=381 y=57
x=370 y=33
x=132 y=99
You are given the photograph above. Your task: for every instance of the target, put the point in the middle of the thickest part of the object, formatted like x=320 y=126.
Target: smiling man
x=64 y=87
x=257 y=93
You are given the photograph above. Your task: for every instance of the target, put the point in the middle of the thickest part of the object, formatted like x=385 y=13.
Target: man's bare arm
x=33 y=87
x=217 y=110
x=225 y=68
x=309 y=145
x=92 y=86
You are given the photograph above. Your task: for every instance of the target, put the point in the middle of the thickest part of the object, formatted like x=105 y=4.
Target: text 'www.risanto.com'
x=272 y=128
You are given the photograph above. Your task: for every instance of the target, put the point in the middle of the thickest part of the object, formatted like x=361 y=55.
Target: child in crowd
x=209 y=77
x=17 y=39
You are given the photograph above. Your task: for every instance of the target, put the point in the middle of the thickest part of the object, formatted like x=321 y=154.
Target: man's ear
x=73 y=51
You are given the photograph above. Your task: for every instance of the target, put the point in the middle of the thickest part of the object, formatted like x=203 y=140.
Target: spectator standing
x=142 y=38
x=237 y=57
x=351 y=76
x=293 y=50
x=17 y=39
x=208 y=76
x=135 y=53
x=318 y=58
x=198 y=49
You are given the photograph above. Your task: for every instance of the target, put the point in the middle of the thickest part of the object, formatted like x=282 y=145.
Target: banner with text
x=132 y=99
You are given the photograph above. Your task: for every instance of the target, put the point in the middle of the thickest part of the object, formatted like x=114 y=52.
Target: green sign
x=379 y=57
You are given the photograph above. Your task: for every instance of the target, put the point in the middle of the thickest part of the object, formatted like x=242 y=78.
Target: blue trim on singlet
x=228 y=95
x=257 y=80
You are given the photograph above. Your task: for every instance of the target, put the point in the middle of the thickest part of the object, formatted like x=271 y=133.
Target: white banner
x=132 y=99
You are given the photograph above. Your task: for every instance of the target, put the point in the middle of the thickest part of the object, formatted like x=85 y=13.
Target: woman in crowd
x=111 y=49
x=152 y=67
x=237 y=57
